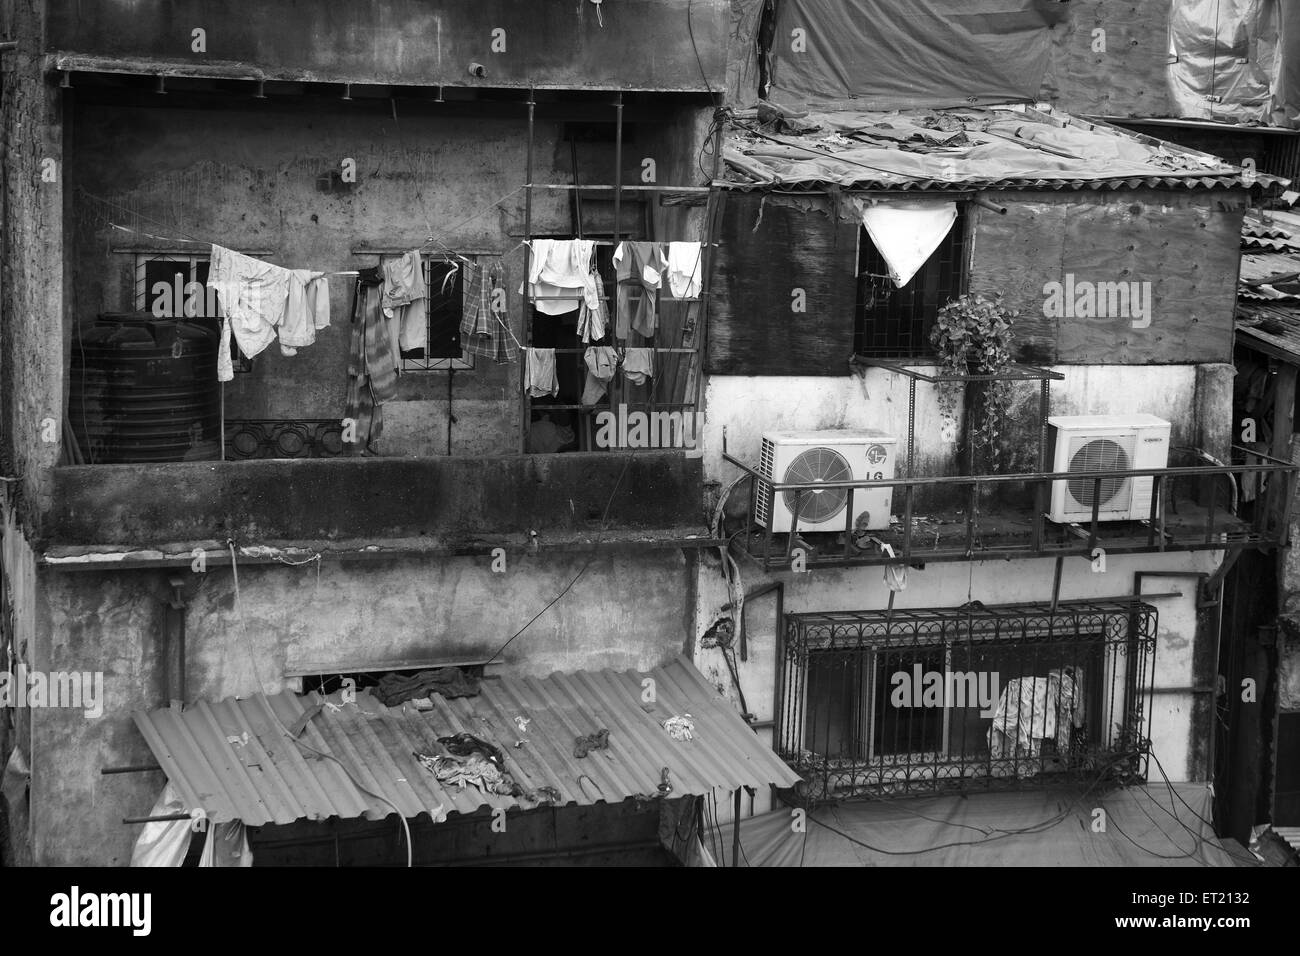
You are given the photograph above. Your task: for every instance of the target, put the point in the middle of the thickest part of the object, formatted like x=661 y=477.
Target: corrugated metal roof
x=234 y=759
x=1275 y=327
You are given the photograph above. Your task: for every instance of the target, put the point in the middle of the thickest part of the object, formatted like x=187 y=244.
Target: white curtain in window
x=906 y=233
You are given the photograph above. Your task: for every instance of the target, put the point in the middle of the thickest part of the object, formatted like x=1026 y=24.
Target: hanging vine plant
x=973 y=336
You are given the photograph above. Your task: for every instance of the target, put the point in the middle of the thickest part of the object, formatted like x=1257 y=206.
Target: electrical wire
x=581 y=571
x=239 y=613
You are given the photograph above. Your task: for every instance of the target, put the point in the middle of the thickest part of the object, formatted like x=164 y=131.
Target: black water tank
x=145 y=389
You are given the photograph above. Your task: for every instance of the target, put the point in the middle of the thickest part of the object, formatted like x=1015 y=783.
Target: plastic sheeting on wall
x=1145 y=826
x=925 y=53
x=1229 y=62
x=166 y=842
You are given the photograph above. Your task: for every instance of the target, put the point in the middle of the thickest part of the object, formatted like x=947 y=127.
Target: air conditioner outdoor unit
x=1083 y=444
x=818 y=456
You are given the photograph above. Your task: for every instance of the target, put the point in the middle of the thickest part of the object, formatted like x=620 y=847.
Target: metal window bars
x=898 y=702
x=688 y=383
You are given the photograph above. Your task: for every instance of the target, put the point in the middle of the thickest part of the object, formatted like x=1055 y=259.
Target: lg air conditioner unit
x=826 y=456
x=1087 y=444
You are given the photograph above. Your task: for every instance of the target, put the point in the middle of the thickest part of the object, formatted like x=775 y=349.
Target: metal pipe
x=735 y=831
x=618 y=173
x=525 y=305
x=164 y=818
x=134 y=768
x=988 y=204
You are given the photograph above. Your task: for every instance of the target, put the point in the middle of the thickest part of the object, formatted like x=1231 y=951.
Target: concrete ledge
x=371 y=498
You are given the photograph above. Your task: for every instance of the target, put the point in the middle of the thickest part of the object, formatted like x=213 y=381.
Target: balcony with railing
x=896 y=702
x=1194 y=502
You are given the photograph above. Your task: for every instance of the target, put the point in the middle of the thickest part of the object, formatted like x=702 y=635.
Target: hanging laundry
x=253 y=295
x=541 y=379
x=405 y=304
x=484 y=327
x=558 y=268
x=684 y=275
x=593 y=317
x=372 y=376
x=307 y=310
x=601 y=362
x=638 y=365
x=638 y=266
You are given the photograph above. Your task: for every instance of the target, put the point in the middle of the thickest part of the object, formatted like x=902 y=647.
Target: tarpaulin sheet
x=891 y=55
x=1228 y=65
x=849 y=147
x=1143 y=826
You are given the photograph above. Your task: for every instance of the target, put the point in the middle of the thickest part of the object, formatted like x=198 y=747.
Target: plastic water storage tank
x=145 y=389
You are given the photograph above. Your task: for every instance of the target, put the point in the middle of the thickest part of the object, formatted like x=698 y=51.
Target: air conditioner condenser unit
x=826 y=456
x=1087 y=444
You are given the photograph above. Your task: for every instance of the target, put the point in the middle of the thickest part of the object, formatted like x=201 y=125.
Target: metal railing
x=1210 y=521
x=927 y=701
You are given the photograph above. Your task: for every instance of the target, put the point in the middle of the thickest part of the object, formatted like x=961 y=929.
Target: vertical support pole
x=618 y=165
x=1040 y=505
x=735 y=831
x=526 y=309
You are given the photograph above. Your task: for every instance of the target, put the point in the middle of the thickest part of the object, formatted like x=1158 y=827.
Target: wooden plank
x=770 y=247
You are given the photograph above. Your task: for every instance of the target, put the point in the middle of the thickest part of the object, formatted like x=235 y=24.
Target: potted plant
x=973 y=336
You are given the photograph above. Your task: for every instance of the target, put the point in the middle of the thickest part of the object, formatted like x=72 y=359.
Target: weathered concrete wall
x=634 y=44
x=32 y=348
x=626 y=611
x=1172 y=728
x=746 y=407
x=259 y=178
x=316 y=499
x=17 y=644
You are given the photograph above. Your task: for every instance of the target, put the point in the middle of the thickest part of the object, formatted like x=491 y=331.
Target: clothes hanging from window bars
x=684 y=275
x=593 y=315
x=558 y=268
x=638 y=266
x=485 y=325
x=541 y=378
x=405 y=304
x=638 y=365
x=601 y=361
x=372 y=374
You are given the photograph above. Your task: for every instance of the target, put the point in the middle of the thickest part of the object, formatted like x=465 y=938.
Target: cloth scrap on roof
x=394 y=689
x=474 y=770
x=680 y=728
x=586 y=744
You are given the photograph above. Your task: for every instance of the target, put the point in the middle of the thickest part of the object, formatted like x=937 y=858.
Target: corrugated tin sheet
x=235 y=760
x=1270 y=324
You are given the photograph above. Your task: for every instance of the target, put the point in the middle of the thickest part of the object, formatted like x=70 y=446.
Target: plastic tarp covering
x=887 y=54
x=163 y=842
x=1229 y=62
x=1144 y=826
x=849 y=147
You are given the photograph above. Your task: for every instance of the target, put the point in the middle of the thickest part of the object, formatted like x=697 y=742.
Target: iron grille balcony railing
x=930 y=701
x=982 y=517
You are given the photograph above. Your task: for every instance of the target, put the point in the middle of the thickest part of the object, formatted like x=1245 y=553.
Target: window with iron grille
x=176 y=284
x=965 y=698
x=445 y=305
x=896 y=323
